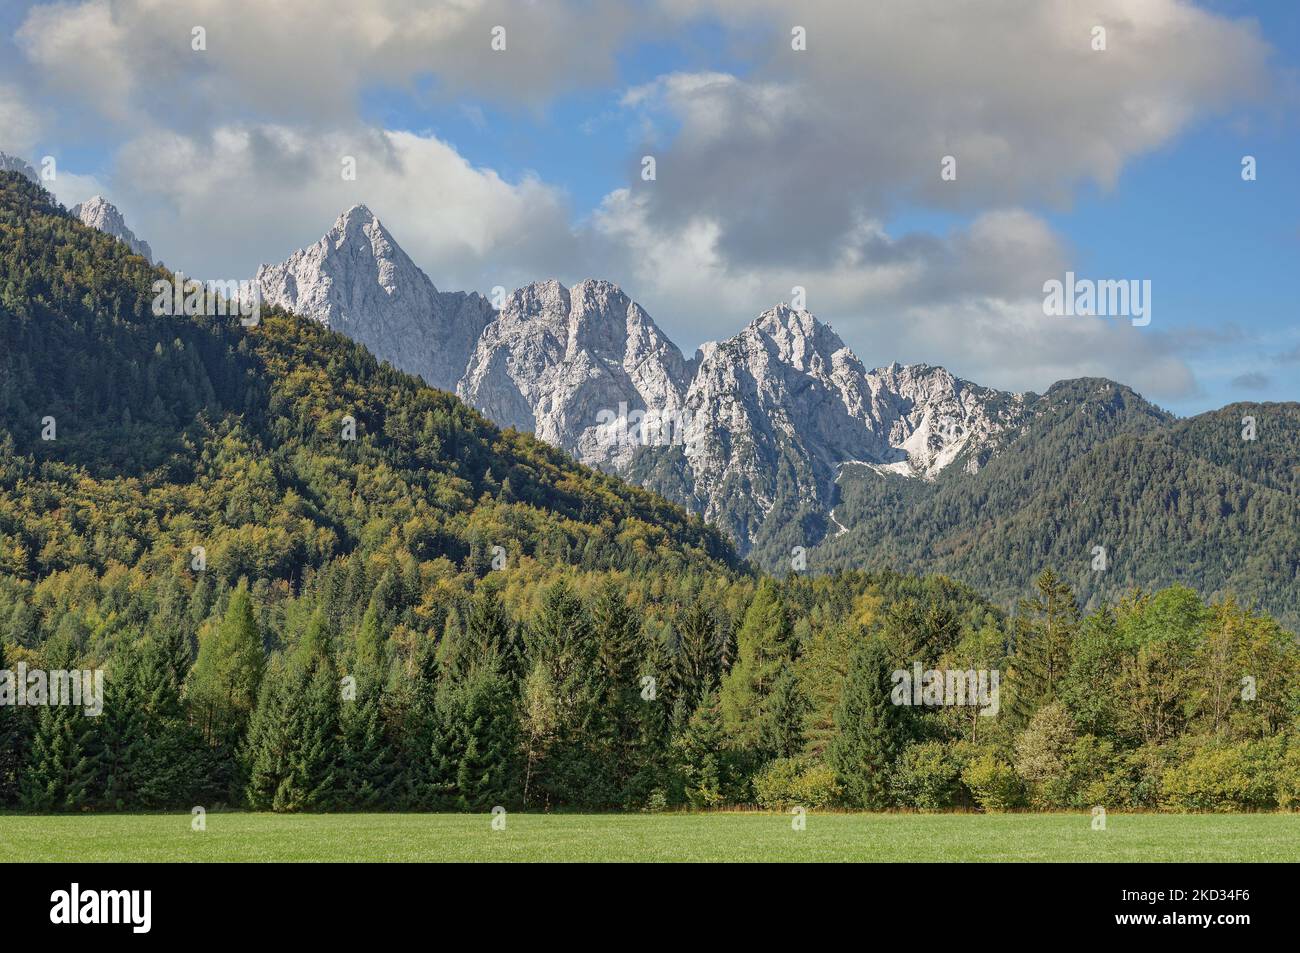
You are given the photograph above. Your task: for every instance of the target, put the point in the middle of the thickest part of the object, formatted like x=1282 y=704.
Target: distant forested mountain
x=171 y=431
x=1171 y=501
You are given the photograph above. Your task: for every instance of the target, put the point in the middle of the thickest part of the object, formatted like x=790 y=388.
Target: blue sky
x=817 y=169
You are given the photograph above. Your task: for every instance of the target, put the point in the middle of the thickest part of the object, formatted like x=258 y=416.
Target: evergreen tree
x=1045 y=630
x=765 y=649
x=476 y=749
x=565 y=687
x=12 y=743
x=490 y=636
x=224 y=682
x=295 y=744
x=872 y=730
x=620 y=655
x=703 y=759
x=368 y=769
x=782 y=733
x=415 y=718
x=696 y=660
x=61 y=767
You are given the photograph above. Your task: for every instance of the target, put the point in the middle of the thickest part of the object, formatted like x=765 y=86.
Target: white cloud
x=312 y=59
x=220 y=205
x=789 y=158
x=19 y=125
x=795 y=173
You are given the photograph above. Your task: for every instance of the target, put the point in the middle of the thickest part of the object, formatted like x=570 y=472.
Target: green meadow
x=707 y=837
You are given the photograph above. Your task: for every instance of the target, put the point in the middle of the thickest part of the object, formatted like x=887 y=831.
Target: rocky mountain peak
x=356 y=279
x=10 y=163
x=576 y=366
x=98 y=212
x=755 y=428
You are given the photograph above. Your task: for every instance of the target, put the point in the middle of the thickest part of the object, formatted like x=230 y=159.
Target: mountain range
x=782 y=438
x=743 y=429
x=807 y=458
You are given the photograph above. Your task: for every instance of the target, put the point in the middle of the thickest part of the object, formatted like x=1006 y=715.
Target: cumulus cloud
x=970 y=299
x=313 y=59
x=218 y=205
x=19 y=126
x=818 y=168
x=796 y=172
x=786 y=160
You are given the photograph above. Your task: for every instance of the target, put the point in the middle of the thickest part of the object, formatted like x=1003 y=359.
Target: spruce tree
x=224 y=682
x=295 y=741
x=490 y=636
x=1045 y=630
x=561 y=701
x=476 y=748
x=696 y=663
x=782 y=732
x=871 y=729
x=60 y=769
x=12 y=743
x=703 y=760
x=368 y=770
x=765 y=649
x=620 y=656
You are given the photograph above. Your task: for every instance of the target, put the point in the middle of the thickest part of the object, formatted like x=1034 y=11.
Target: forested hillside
x=1172 y=501
x=438 y=615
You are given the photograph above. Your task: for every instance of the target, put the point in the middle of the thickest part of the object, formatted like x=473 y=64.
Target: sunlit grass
x=663 y=837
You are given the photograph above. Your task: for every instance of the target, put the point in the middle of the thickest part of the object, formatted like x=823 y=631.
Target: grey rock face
x=755 y=425
x=102 y=214
x=10 y=163
x=775 y=411
x=579 y=367
x=358 y=281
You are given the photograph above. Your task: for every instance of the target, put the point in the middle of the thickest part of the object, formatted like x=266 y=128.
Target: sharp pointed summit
x=750 y=433
x=98 y=212
x=356 y=279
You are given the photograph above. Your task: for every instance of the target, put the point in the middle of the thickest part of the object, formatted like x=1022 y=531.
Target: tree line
x=540 y=689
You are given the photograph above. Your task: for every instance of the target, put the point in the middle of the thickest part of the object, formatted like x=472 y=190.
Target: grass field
x=664 y=837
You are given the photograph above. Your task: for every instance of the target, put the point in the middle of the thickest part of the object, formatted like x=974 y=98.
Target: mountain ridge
x=587 y=369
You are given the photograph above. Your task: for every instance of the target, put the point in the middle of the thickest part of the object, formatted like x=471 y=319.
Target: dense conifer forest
x=1189 y=501
x=439 y=615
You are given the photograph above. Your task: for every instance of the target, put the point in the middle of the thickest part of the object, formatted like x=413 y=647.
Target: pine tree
x=620 y=655
x=490 y=636
x=871 y=729
x=295 y=741
x=765 y=648
x=368 y=769
x=696 y=663
x=702 y=757
x=224 y=682
x=561 y=698
x=476 y=748
x=415 y=718
x=782 y=733
x=268 y=745
x=12 y=744
x=1045 y=630
x=60 y=768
